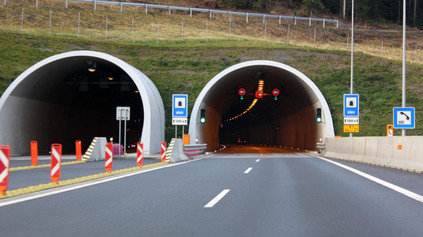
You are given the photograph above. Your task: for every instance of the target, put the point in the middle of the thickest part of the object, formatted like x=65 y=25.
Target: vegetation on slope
x=186 y=68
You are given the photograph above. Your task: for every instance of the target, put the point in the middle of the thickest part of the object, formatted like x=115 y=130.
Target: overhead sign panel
x=404 y=117
x=351 y=105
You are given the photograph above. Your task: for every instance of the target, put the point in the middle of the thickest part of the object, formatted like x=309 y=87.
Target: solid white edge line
x=394 y=187
x=248 y=170
x=215 y=200
x=82 y=185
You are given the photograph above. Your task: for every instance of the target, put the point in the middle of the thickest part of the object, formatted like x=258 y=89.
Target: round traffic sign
x=275 y=92
x=242 y=91
x=259 y=94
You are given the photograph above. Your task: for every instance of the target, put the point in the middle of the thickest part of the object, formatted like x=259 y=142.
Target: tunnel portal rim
x=220 y=76
x=154 y=120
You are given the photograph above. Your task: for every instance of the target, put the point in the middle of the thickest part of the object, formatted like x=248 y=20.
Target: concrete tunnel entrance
x=73 y=96
x=288 y=121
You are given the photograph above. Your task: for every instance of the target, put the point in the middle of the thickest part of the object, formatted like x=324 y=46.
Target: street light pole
x=404 y=97
x=352 y=52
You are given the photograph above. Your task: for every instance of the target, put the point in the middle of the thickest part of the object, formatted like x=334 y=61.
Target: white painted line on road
x=63 y=189
x=394 y=187
x=248 y=170
x=258 y=160
x=215 y=200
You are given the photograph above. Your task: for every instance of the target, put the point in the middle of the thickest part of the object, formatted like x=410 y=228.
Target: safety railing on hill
x=210 y=11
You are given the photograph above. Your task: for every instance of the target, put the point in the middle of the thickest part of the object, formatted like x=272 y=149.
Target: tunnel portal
x=73 y=96
x=287 y=120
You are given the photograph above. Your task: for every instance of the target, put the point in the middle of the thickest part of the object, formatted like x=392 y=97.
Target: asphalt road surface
x=263 y=193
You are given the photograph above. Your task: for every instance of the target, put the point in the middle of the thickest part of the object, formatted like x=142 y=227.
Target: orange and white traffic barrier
x=4 y=168
x=108 y=162
x=34 y=153
x=56 y=162
x=78 y=149
x=163 y=152
x=140 y=153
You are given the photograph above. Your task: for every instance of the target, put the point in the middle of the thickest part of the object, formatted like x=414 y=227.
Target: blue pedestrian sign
x=404 y=117
x=351 y=105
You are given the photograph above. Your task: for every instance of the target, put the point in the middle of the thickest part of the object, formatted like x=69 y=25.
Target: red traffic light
x=242 y=91
x=259 y=94
x=275 y=92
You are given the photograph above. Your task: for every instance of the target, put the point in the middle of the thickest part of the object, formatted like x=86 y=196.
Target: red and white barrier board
x=163 y=151
x=4 y=168
x=108 y=163
x=56 y=162
x=140 y=153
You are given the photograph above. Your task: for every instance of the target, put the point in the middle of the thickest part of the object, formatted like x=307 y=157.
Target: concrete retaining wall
x=394 y=152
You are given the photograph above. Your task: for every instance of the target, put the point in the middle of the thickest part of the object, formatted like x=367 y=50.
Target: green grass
x=186 y=67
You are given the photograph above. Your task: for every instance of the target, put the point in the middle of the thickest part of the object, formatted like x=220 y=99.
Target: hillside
x=191 y=63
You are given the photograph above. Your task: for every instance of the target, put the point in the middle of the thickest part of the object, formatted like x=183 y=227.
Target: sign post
x=122 y=113
x=179 y=111
x=351 y=113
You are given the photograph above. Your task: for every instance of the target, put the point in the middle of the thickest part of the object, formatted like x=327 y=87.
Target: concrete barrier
x=395 y=152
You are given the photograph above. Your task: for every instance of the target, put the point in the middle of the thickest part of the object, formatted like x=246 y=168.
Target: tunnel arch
x=61 y=88
x=289 y=121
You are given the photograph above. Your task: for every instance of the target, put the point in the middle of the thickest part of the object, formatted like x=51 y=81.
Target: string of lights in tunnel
x=260 y=92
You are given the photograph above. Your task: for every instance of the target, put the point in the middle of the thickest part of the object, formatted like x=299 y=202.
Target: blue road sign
x=404 y=117
x=180 y=105
x=351 y=105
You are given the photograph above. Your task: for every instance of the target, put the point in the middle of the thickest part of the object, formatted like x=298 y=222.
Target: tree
x=313 y=5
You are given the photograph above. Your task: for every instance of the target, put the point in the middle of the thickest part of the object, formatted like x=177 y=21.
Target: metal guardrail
x=210 y=11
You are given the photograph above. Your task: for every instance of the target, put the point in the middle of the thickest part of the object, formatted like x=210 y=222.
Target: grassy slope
x=186 y=67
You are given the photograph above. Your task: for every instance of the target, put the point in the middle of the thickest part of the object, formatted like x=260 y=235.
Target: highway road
x=264 y=193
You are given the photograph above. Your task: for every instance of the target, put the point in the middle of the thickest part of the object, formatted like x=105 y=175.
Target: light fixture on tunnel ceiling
x=92 y=66
x=110 y=78
x=137 y=92
x=259 y=88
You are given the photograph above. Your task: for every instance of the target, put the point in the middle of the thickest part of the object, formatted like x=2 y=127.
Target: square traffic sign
x=404 y=117
x=180 y=105
x=351 y=105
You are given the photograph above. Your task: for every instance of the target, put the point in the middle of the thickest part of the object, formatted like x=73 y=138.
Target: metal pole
x=207 y=30
x=133 y=37
x=79 y=21
x=95 y=5
x=404 y=85
x=124 y=135
x=182 y=31
x=36 y=4
x=265 y=31
x=120 y=131
x=49 y=31
x=67 y=4
x=230 y=29
x=158 y=32
x=106 y=26
x=314 y=36
x=22 y=22
x=352 y=49
x=287 y=37
x=381 y=49
x=176 y=131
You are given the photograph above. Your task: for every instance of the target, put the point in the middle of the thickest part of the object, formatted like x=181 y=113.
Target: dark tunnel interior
x=287 y=120
x=75 y=99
